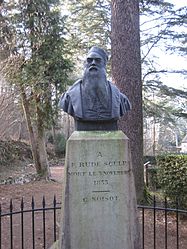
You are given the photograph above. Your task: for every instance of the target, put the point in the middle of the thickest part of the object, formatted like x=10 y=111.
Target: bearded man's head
x=95 y=63
x=94 y=77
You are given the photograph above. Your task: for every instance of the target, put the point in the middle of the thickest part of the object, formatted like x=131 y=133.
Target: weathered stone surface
x=99 y=196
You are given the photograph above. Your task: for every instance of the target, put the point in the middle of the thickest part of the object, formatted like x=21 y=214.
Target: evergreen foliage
x=36 y=43
x=160 y=23
x=36 y=58
x=34 y=62
x=60 y=144
x=91 y=23
x=172 y=175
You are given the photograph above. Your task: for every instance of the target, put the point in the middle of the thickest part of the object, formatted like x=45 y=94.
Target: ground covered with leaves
x=44 y=221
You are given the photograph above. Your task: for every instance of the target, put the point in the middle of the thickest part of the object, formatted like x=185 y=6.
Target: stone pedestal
x=99 y=203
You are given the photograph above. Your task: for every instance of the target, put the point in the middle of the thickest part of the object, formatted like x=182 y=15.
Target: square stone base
x=99 y=202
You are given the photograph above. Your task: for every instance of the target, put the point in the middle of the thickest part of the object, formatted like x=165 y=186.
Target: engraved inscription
x=93 y=173
x=114 y=173
x=100 y=182
x=99 y=154
x=115 y=163
x=98 y=173
x=77 y=173
x=88 y=164
x=100 y=198
x=99 y=164
x=102 y=175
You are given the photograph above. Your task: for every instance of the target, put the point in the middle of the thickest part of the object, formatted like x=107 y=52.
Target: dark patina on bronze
x=93 y=101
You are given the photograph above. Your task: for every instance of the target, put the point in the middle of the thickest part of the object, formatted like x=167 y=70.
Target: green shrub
x=172 y=177
x=153 y=182
x=60 y=144
x=49 y=137
x=147 y=197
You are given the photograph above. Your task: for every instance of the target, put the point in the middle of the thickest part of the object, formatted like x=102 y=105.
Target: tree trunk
x=45 y=171
x=126 y=73
x=37 y=142
x=33 y=143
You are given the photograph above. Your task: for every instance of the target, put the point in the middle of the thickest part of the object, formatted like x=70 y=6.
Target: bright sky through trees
x=173 y=61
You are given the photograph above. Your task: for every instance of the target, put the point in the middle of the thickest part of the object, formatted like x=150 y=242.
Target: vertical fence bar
x=143 y=226
x=0 y=228
x=22 y=226
x=166 y=223
x=54 y=217
x=11 y=224
x=44 y=234
x=33 y=225
x=177 y=222
x=154 y=222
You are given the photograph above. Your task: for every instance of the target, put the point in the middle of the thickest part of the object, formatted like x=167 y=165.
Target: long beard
x=95 y=88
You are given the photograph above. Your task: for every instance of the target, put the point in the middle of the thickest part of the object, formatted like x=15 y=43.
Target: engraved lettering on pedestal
x=88 y=164
x=77 y=173
x=111 y=169
x=99 y=154
x=100 y=182
x=93 y=173
x=101 y=198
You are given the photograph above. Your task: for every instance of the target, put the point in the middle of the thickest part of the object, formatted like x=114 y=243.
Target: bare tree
x=12 y=122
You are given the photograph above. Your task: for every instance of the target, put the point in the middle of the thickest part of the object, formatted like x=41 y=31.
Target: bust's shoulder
x=113 y=86
x=75 y=85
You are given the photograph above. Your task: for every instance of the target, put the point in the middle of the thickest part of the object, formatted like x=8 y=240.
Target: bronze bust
x=93 y=101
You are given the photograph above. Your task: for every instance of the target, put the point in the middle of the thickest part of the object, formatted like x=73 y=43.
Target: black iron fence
x=163 y=226
x=29 y=227
x=36 y=226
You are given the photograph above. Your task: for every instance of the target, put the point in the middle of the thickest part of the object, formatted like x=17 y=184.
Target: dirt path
x=38 y=189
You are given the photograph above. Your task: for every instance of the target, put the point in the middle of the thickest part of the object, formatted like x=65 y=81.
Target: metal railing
x=37 y=227
x=168 y=226
x=25 y=228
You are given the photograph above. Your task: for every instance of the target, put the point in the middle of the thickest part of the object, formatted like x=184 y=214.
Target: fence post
x=166 y=223
x=143 y=226
x=177 y=221
x=11 y=224
x=54 y=216
x=33 y=232
x=44 y=234
x=22 y=222
x=154 y=209
x=0 y=227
